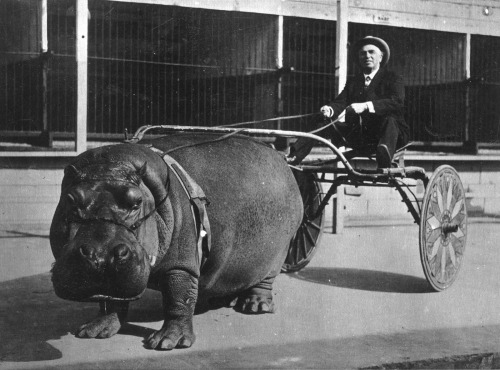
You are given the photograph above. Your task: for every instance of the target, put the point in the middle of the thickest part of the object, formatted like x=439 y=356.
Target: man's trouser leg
x=303 y=146
x=338 y=135
x=391 y=138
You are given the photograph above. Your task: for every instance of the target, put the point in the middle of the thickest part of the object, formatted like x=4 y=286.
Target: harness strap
x=198 y=202
x=223 y=137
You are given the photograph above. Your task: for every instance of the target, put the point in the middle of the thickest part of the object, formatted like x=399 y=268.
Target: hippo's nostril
x=121 y=252
x=90 y=255
x=88 y=252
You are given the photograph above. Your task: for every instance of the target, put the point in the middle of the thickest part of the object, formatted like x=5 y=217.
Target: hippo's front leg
x=180 y=292
x=111 y=317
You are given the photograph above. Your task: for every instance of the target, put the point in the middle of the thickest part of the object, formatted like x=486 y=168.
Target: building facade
x=91 y=69
x=73 y=72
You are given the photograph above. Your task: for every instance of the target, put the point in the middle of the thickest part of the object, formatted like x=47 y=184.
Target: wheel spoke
x=434 y=209
x=306 y=198
x=434 y=223
x=443 y=263
x=309 y=236
x=459 y=233
x=435 y=247
x=449 y=194
x=304 y=243
x=299 y=247
x=434 y=262
x=439 y=199
x=457 y=208
x=452 y=255
x=458 y=247
x=431 y=238
x=293 y=243
x=313 y=224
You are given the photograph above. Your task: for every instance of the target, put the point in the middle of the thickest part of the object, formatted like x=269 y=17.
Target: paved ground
x=362 y=302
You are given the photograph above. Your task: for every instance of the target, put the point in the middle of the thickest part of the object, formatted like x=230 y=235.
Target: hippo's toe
x=175 y=334
x=101 y=327
x=254 y=301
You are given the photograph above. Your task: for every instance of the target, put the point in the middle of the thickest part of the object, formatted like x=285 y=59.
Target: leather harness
x=198 y=201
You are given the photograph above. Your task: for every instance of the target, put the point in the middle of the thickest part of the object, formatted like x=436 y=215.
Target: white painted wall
x=463 y=16
x=29 y=197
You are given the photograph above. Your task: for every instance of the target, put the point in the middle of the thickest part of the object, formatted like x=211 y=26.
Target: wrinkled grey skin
x=255 y=209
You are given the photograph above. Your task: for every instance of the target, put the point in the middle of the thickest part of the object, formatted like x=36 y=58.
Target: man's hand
x=358 y=108
x=327 y=111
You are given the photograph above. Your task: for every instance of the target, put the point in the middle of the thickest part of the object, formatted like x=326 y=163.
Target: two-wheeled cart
x=441 y=213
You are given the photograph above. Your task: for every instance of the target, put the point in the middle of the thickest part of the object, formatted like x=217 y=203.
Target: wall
x=465 y=16
x=481 y=180
x=28 y=197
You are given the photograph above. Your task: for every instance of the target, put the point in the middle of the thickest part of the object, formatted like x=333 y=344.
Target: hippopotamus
x=125 y=222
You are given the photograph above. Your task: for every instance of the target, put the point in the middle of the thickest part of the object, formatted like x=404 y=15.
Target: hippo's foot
x=101 y=327
x=255 y=300
x=174 y=334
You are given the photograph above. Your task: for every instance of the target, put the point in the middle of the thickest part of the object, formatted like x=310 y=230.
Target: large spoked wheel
x=306 y=240
x=443 y=228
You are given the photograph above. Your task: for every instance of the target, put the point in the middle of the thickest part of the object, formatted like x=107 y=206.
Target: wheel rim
x=443 y=228
x=305 y=241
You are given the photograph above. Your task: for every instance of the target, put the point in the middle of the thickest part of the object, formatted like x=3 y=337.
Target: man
x=373 y=103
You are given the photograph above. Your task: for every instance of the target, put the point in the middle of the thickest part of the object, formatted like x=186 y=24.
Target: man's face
x=370 y=58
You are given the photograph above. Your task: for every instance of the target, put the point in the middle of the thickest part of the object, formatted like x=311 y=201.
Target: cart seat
x=369 y=152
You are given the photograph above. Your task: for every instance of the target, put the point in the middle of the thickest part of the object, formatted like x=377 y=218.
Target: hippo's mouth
x=104 y=297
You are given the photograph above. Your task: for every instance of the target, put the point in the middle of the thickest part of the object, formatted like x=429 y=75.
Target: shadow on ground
x=371 y=351
x=377 y=281
x=31 y=315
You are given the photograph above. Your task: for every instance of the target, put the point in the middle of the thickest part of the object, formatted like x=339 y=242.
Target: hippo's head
x=104 y=233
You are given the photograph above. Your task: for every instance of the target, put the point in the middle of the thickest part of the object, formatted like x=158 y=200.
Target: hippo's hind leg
x=110 y=319
x=257 y=299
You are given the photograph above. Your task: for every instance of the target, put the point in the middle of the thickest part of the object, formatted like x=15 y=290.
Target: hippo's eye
x=133 y=198
x=72 y=202
x=71 y=199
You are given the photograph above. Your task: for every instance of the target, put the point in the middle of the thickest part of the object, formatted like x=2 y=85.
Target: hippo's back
x=255 y=205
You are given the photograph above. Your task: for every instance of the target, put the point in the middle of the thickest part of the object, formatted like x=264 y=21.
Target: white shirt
x=371 y=75
x=371 y=108
x=369 y=104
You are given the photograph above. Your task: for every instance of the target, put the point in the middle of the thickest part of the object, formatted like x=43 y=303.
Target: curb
x=473 y=361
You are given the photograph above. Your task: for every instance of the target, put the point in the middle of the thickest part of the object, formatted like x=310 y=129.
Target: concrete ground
x=362 y=302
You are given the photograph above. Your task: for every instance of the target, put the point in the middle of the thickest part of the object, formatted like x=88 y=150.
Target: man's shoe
x=383 y=156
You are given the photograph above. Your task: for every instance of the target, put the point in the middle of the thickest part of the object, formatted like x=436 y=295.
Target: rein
x=223 y=137
x=226 y=136
x=269 y=120
x=132 y=228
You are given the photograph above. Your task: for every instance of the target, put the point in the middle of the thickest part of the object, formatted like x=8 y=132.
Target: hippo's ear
x=141 y=172
x=72 y=172
x=154 y=177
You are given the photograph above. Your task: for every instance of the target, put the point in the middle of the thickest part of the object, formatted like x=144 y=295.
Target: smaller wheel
x=443 y=228
x=306 y=240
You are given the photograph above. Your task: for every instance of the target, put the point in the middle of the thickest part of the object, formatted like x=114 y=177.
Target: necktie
x=367 y=81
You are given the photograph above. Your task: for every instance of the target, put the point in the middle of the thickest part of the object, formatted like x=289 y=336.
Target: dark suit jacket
x=386 y=91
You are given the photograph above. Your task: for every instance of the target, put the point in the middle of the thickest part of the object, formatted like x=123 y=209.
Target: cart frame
x=441 y=213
